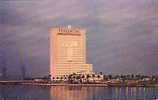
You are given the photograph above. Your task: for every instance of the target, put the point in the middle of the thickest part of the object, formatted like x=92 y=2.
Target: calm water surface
x=21 y=92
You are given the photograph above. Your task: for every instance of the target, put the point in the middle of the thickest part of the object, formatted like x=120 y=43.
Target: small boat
x=115 y=82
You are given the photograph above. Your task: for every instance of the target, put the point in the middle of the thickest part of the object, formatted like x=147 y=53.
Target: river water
x=22 y=92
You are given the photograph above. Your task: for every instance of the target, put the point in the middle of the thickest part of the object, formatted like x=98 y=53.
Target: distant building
x=4 y=72
x=23 y=72
x=68 y=51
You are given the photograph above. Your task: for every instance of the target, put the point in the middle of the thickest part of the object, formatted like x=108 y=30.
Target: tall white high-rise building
x=68 y=51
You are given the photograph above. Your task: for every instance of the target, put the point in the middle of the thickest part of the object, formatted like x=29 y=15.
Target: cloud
x=114 y=27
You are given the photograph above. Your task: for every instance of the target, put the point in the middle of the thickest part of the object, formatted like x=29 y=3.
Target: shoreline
x=90 y=85
x=75 y=85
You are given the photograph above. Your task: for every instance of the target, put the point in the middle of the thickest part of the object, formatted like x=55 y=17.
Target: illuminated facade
x=68 y=51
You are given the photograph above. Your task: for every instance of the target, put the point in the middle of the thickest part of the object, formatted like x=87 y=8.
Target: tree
x=105 y=77
x=98 y=76
x=61 y=78
x=49 y=76
x=93 y=76
x=53 y=78
x=132 y=76
x=110 y=76
x=83 y=76
x=101 y=73
x=87 y=77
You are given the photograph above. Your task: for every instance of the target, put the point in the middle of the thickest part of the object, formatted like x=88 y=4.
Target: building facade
x=68 y=51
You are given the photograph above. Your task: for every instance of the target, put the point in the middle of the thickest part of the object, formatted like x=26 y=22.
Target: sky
x=122 y=35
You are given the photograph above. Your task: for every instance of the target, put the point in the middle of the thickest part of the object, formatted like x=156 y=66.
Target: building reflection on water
x=69 y=93
x=103 y=93
x=22 y=92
